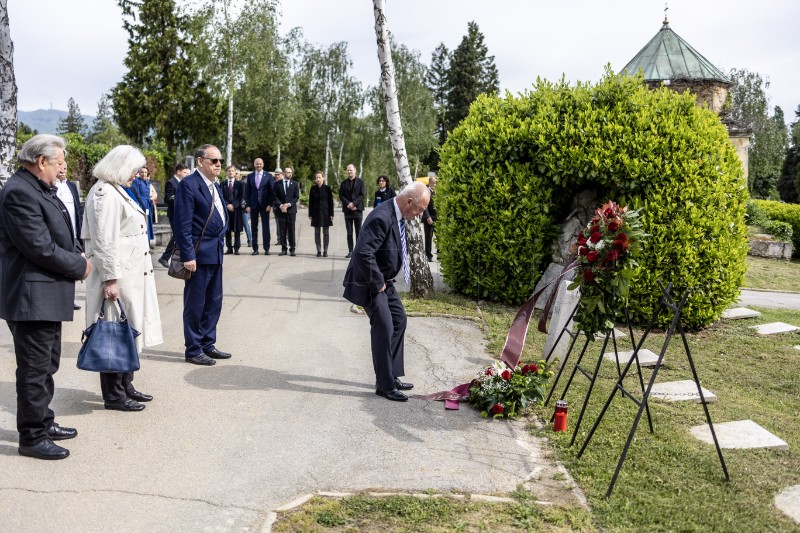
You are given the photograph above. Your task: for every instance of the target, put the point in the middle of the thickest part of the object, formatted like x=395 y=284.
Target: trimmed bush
x=789 y=213
x=509 y=171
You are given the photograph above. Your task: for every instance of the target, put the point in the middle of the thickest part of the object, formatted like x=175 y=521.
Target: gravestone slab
x=788 y=501
x=680 y=391
x=562 y=309
x=617 y=333
x=552 y=272
x=774 y=327
x=646 y=357
x=741 y=434
x=735 y=313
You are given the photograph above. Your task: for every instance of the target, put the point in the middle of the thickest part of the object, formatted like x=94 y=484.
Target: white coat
x=115 y=238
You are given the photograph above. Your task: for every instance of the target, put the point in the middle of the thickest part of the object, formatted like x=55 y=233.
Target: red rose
x=582 y=251
x=609 y=213
x=622 y=237
x=588 y=276
x=534 y=368
x=618 y=246
x=594 y=229
x=595 y=238
x=611 y=256
x=506 y=375
x=613 y=225
x=488 y=372
x=592 y=256
x=497 y=409
x=582 y=241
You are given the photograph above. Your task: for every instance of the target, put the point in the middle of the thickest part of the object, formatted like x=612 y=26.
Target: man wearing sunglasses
x=200 y=223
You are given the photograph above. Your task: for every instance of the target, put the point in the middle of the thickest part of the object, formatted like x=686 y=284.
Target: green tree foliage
x=789 y=183
x=73 y=122
x=509 y=171
x=104 y=130
x=472 y=72
x=750 y=106
x=161 y=96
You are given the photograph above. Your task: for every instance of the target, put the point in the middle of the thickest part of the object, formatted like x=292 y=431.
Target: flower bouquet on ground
x=500 y=391
x=606 y=250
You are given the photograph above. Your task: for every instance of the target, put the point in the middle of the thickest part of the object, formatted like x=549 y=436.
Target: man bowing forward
x=200 y=222
x=380 y=253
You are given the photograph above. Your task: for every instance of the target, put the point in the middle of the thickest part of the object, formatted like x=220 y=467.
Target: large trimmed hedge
x=508 y=173
x=789 y=213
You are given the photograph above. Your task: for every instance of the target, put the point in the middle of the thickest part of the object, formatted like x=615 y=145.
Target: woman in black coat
x=384 y=192
x=320 y=212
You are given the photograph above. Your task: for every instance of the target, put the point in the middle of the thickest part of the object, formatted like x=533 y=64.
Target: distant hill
x=46 y=120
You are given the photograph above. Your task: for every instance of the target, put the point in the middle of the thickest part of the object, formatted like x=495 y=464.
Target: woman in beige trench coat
x=115 y=235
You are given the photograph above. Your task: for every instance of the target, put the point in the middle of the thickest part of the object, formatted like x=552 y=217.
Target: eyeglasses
x=214 y=161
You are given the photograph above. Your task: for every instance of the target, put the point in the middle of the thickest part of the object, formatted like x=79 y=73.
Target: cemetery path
x=770 y=299
x=293 y=412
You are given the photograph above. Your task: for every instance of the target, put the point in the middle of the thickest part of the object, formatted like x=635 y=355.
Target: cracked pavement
x=293 y=412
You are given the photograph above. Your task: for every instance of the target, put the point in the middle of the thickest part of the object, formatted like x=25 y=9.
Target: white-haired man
x=40 y=260
x=380 y=253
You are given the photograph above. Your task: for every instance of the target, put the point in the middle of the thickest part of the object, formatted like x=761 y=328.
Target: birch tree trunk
x=421 y=279
x=229 y=140
x=327 y=152
x=8 y=98
x=279 y=157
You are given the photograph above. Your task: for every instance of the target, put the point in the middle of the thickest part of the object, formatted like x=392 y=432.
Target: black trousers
x=387 y=320
x=352 y=222
x=429 y=229
x=171 y=244
x=116 y=385
x=237 y=239
x=286 y=230
x=326 y=238
x=255 y=216
x=37 y=345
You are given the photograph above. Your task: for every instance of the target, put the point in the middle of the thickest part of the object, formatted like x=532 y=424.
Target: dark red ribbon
x=515 y=340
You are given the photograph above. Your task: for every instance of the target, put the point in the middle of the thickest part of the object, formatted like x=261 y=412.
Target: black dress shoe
x=126 y=404
x=319 y=254
x=283 y=252
x=139 y=396
x=44 y=449
x=292 y=254
x=56 y=432
x=349 y=255
x=324 y=254
x=228 y=252
x=393 y=395
x=266 y=252
x=236 y=252
x=217 y=354
x=163 y=262
x=76 y=307
x=255 y=252
x=201 y=359
x=399 y=385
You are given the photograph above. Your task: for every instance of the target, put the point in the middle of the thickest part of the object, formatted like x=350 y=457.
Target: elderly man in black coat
x=381 y=252
x=40 y=259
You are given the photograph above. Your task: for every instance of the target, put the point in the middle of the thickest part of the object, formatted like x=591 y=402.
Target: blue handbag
x=109 y=346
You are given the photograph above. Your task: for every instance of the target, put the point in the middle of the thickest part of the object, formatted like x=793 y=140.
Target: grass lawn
x=772 y=274
x=669 y=482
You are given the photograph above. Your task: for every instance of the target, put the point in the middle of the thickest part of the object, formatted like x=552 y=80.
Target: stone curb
x=272 y=516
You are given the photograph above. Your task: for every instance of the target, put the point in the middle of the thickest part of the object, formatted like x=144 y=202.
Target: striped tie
x=404 y=245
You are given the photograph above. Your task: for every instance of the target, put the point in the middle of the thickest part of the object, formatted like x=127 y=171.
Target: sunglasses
x=214 y=161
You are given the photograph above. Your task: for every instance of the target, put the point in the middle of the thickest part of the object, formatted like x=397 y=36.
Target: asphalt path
x=293 y=412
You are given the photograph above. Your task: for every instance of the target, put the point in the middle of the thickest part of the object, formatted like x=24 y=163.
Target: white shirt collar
x=397 y=211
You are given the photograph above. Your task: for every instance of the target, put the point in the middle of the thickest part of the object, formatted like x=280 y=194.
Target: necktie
x=285 y=186
x=230 y=187
x=258 y=180
x=404 y=246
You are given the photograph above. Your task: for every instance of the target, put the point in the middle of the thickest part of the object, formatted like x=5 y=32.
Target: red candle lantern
x=560 y=422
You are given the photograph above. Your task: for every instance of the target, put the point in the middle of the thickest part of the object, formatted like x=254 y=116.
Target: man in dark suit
x=40 y=259
x=200 y=222
x=379 y=255
x=233 y=197
x=286 y=194
x=67 y=192
x=259 y=203
x=351 y=194
x=169 y=196
x=429 y=219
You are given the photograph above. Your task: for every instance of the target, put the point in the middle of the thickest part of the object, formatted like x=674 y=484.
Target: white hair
x=414 y=190
x=43 y=144
x=119 y=164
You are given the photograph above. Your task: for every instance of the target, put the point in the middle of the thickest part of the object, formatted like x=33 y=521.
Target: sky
x=76 y=48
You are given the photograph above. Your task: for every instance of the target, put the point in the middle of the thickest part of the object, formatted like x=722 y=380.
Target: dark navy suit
x=202 y=293
x=258 y=199
x=376 y=260
x=285 y=191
